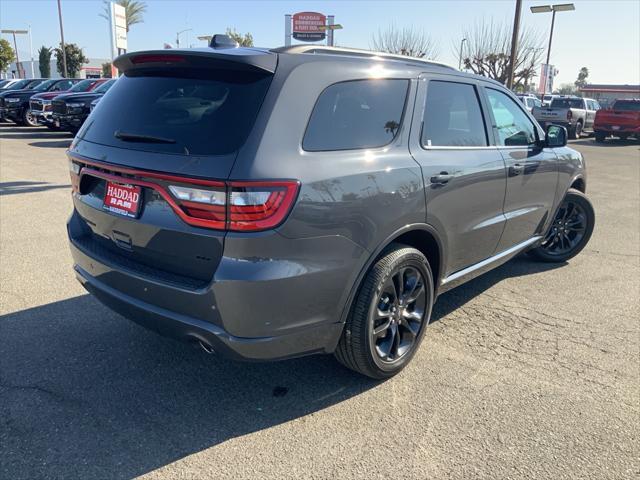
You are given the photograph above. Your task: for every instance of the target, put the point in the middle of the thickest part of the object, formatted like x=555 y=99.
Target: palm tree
x=134 y=10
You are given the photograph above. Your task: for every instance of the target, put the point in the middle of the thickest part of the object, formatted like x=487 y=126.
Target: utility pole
x=63 y=48
x=460 y=53
x=514 y=44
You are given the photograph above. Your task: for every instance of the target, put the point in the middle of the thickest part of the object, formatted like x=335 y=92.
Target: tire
x=600 y=136
x=576 y=131
x=570 y=231
x=27 y=119
x=364 y=351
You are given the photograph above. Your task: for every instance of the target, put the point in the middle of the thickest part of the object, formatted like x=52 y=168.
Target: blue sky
x=603 y=35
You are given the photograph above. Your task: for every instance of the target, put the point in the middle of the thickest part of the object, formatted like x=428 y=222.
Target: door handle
x=516 y=169
x=441 y=178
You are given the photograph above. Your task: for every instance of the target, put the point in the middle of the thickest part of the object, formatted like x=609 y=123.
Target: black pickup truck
x=14 y=105
x=72 y=109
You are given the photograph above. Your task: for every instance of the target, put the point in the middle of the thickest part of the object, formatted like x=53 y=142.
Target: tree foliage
x=7 y=55
x=567 y=89
x=245 y=40
x=405 y=41
x=133 y=10
x=487 y=50
x=106 y=70
x=44 y=61
x=581 y=81
x=75 y=59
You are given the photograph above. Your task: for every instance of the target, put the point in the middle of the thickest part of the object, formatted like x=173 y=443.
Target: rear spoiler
x=243 y=59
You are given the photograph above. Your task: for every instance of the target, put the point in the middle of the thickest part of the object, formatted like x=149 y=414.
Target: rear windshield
x=567 y=103
x=627 y=106
x=198 y=113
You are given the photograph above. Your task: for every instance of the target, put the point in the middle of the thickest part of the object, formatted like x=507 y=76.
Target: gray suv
x=268 y=204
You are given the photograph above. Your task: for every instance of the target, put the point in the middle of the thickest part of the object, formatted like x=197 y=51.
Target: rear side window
x=452 y=116
x=356 y=114
x=196 y=113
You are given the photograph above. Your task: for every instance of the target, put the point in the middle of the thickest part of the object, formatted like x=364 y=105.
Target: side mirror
x=556 y=136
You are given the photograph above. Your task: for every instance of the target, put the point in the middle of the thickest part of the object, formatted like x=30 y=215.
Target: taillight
x=238 y=206
x=255 y=206
x=569 y=114
x=74 y=173
x=234 y=206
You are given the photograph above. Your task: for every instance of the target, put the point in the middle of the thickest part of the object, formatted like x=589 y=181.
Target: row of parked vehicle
x=58 y=103
x=585 y=115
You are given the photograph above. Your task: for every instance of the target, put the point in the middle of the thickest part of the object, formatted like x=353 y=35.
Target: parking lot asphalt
x=530 y=371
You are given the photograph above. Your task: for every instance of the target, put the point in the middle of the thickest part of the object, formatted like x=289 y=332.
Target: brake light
x=255 y=206
x=569 y=114
x=158 y=59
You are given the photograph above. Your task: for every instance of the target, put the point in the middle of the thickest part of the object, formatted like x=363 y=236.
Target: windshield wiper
x=136 y=137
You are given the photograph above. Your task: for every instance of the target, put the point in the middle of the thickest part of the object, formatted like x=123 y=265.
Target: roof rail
x=357 y=52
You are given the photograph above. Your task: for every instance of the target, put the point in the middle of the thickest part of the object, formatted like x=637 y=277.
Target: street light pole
x=178 y=36
x=561 y=7
x=460 y=53
x=15 y=46
x=63 y=48
x=33 y=73
x=514 y=44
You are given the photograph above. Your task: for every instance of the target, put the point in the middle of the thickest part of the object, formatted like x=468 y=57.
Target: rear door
x=532 y=171
x=464 y=175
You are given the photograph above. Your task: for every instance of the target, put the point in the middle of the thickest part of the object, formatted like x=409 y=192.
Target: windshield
x=82 y=86
x=19 y=85
x=104 y=87
x=627 y=106
x=567 y=103
x=206 y=112
x=44 y=85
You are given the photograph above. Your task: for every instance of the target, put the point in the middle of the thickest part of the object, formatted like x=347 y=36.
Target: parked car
x=622 y=120
x=15 y=104
x=14 y=85
x=575 y=113
x=530 y=101
x=269 y=204
x=70 y=110
x=547 y=99
x=40 y=104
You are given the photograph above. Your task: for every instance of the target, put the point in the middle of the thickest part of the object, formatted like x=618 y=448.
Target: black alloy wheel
x=570 y=231
x=389 y=314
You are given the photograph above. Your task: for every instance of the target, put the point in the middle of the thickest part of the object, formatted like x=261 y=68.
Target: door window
x=452 y=116
x=512 y=125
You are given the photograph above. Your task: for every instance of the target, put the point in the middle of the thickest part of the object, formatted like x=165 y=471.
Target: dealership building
x=606 y=93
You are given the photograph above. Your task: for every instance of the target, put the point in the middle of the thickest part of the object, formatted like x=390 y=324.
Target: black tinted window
x=567 y=103
x=452 y=116
x=513 y=126
x=357 y=114
x=208 y=113
x=627 y=105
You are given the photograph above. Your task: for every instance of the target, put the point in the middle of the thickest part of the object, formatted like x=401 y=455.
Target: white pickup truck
x=575 y=113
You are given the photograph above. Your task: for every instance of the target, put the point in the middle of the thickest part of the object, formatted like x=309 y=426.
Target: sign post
x=118 y=31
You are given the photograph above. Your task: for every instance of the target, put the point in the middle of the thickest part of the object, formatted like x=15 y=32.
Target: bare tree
x=405 y=41
x=486 y=52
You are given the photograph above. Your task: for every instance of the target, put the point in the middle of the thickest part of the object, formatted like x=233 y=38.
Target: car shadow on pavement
x=609 y=142
x=13 y=188
x=456 y=298
x=31 y=133
x=53 y=144
x=85 y=393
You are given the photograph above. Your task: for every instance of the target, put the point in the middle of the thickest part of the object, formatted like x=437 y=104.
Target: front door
x=532 y=171
x=464 y=176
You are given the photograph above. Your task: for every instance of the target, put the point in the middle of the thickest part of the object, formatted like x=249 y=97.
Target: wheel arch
x=422 y=237
x=579 y=183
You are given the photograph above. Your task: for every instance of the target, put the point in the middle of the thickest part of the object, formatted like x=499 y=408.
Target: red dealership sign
x=305 y=26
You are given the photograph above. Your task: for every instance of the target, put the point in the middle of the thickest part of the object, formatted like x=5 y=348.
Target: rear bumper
x=284 y=303
x=610 y=130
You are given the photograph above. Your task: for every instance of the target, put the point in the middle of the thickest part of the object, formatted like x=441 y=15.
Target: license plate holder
x=122 y=199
